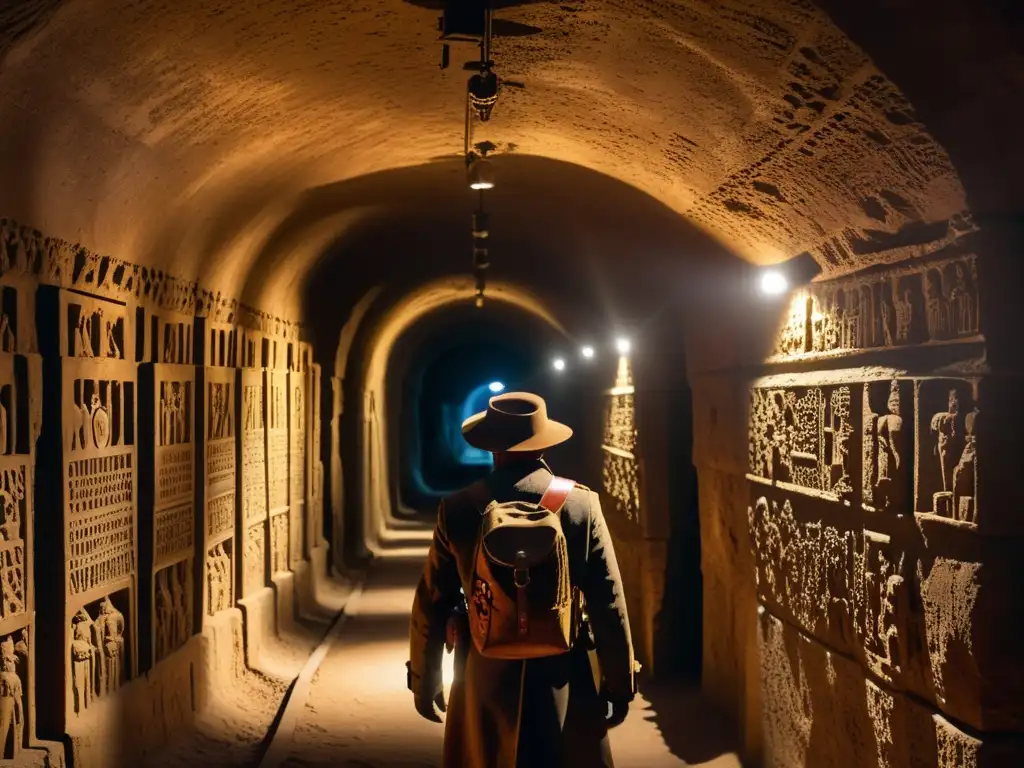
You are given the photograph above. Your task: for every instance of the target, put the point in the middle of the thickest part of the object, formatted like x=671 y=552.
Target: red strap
x=557 y=494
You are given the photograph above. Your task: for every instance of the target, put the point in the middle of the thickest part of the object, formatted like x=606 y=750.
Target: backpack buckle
x=521 y=573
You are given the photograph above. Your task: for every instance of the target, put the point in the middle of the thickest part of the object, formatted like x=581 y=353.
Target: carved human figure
x=890 y=442
x=936 y=305
x=84 y=658
x=178 y=412
x=110 y=626
x=179 y=607
x=904 y=315
x=943 y=425
x=6 y=334
x=164 y=615
x=85 y=335
x=12 y=712
x=113 y=350
x=964 y=472
x=961 y=302
x=217 y=580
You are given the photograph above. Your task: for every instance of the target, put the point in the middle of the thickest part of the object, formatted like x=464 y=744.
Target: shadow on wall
x=692 y=731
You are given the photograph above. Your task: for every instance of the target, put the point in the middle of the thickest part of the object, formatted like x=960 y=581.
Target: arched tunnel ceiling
x=170 y=133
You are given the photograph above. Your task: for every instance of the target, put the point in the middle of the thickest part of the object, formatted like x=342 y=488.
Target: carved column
x=167 y=483
x=88 y=451
x=252 y=542
x=218 y=392
x=314 y=462
x=275 y=413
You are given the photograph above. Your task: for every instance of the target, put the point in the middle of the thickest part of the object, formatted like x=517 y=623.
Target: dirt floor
x=357 y=713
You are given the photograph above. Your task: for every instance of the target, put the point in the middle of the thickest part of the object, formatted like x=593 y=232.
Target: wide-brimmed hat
x=514 y=422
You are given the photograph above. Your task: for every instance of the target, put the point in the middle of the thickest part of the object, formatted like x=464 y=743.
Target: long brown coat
x=541 y=713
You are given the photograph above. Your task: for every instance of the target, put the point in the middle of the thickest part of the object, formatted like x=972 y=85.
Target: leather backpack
x=522 y=604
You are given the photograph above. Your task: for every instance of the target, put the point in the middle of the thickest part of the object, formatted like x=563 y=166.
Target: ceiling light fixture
x=481 y=173
x=558 y=364
x=588 y=352
x=773 y=282
x=623 y=346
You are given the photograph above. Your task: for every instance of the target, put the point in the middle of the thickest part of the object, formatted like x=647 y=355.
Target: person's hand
x=619 y=710
x=428 y=706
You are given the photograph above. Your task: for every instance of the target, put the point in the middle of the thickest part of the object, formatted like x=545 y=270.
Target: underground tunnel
x=258 y=262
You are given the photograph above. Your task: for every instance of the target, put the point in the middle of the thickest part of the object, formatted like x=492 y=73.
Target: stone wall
x=882 y=560
x=126 y=396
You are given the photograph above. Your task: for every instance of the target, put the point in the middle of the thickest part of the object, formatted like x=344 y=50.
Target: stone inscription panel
x=297 y=461
x=277 y=441
x=219 y=593
x=937 y=302
x=315 y=496
x=255 y=558
x=220 y=390
x=254 y=478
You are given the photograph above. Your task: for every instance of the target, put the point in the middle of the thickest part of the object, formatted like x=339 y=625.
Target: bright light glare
x=587 y=352
x=482 y=185
x=773 y=282
x=559 y=364
x=496 y=387
x=447 y=672
x=623 y=346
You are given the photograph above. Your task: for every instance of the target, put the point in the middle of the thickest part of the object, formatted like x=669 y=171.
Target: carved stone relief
x=887 y=442
x=14 y=694
x=172 y=607
x=883 y=606
x=97 y=328
x=221 y=345
x=278 y=468
x=800 y=438
x=255 y=558
x=220 y=498
x=807 y=568
x=947 y=454
x=219 y=577
x=100 y=648
x=315 y=491
x=900 y=306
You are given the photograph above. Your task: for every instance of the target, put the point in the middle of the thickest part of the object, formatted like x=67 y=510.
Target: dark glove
x=619 y=710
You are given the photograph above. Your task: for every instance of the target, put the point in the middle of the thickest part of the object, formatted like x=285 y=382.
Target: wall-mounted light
x=558 y=364
x=481 y=174
x=773 y=282
x=587 y=352
x=623 y=345
x=496 y=387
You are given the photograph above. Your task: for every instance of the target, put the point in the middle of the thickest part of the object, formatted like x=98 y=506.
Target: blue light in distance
x=496 y=387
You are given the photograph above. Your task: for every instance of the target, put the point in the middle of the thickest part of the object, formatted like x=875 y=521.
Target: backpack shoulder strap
x=557 y=494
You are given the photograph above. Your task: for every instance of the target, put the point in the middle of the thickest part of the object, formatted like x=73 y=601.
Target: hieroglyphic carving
x=315 y=490
x=297 y=463
x=254 y=481
x=799 y=438
x=173 y=531
x=220 y=496
x=886 y=464
x=13 y=571
x=809 y=569
x=172 y=339
x=279 y=543
x=219 y=577
x=172 y=610
x=621 y=481
x=101 y=548
x=896 y=307
x=883 y=606
x=14 y=694
x=253 y=572
x=947 y=457
x=98 y=651
x=97 y=328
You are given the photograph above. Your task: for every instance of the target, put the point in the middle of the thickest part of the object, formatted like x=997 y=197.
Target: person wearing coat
x=548 y=712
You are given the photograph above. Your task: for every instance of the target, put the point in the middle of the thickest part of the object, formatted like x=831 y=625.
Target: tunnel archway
x=218 y=188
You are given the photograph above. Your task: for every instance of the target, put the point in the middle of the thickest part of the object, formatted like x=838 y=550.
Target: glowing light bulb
x=587 y=352
x=773 y=282
x=623 y=346
x=496 y=387
x=558 y=364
